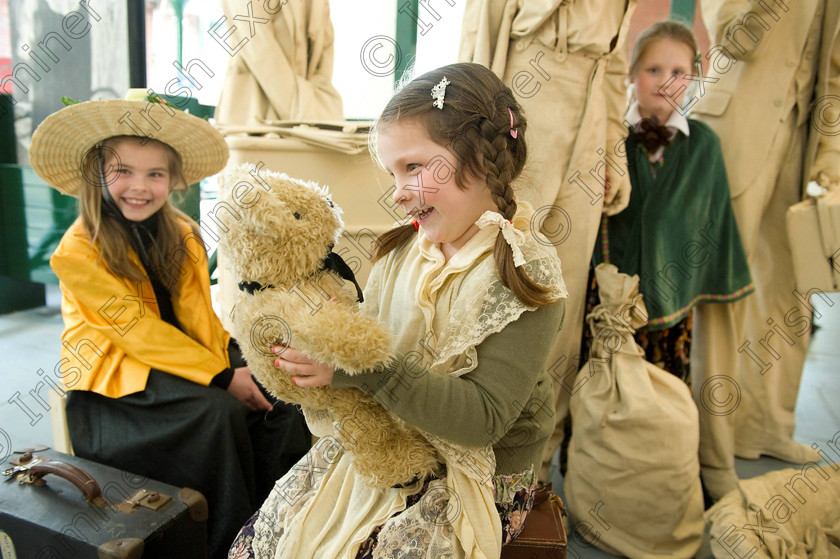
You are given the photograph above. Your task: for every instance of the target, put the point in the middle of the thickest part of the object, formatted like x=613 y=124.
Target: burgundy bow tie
x=652 y=135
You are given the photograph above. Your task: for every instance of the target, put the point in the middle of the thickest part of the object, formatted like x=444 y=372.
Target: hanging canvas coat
x=281 y=65
x=633 y=452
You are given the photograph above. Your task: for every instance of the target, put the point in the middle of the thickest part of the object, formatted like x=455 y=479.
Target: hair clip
x=416 y=225
x=438 y=93
x=697 y=58
x=514 y=132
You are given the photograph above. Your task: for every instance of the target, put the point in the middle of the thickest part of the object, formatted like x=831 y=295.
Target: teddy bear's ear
x=334 y=208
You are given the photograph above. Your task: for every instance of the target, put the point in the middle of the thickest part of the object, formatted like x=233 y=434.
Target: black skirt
x=190 y=435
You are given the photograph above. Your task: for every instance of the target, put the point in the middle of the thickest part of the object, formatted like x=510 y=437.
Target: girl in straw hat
x=162 y=391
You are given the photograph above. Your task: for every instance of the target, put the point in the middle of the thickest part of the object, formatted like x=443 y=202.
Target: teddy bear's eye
x=330 y=202
x=297 y=215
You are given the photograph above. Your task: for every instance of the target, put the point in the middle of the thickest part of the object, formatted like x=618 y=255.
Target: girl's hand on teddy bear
x=305 y=372
x=244 y=389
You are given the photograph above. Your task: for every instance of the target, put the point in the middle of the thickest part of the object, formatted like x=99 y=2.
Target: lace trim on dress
x=488 y=311
x=290 y=495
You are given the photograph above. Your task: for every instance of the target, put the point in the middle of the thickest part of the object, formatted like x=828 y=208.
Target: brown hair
x=474 y=125
x=112 y=239
x=674 y=30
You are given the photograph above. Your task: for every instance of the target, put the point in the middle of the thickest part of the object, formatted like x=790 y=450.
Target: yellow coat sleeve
x=119 y=322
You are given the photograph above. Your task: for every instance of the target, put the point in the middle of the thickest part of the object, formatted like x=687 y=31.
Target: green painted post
x=407 y=16
x=17 y=291
x=178 y=8
x=682 y=10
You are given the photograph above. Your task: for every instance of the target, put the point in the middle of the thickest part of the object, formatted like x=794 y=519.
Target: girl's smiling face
x=138 y=177
x=661 y=61
x=424 y=176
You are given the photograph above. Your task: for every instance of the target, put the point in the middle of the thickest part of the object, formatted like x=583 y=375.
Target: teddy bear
x=277 y=235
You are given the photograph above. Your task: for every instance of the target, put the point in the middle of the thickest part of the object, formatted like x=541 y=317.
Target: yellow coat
x=113 y=333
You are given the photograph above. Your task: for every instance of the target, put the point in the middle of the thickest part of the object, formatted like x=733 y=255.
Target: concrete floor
x=29 y=346
x=29 y=353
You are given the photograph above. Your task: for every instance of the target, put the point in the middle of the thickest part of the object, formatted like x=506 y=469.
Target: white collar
x=675 y=122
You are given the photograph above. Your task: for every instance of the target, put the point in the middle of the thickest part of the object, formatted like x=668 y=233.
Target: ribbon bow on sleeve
x=514 y=237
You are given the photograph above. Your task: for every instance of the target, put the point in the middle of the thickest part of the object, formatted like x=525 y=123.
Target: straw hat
x=61 y=141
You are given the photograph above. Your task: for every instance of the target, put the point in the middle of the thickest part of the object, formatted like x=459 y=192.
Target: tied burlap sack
x=633 y=484
x=786 y=514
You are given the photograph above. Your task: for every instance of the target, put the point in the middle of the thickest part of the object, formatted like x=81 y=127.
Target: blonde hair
x=111 y=238
x=674 y=30
x=475 y=125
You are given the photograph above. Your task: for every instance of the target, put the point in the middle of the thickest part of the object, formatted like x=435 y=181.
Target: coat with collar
x=756 y=53
x=113 y=332
x=572 y=37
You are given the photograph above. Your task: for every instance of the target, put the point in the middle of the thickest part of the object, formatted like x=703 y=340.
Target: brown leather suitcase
x=544 y=534
x=55 y=506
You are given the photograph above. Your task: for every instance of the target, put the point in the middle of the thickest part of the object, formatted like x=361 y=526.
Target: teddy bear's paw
x=345 y=340
x=279 y=384
x=367 y=347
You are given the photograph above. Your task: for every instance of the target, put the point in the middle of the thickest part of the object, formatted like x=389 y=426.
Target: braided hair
x=475 y=125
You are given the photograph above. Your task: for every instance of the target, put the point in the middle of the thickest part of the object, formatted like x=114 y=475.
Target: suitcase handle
x=78 y=477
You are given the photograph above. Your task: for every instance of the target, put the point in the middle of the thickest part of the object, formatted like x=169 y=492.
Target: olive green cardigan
x=506 y=401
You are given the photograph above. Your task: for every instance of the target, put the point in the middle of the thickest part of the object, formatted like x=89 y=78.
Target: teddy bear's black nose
x=297 y=215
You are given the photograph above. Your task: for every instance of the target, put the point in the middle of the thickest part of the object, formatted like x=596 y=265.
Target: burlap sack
x=787 y=514
x=632 y=485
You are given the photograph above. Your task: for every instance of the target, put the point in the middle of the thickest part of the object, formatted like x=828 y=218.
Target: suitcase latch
x=20 y=469
x=144 y=498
